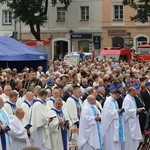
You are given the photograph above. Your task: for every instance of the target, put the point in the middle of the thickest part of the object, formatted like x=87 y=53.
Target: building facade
x=118 y=29
x=76 y=29
x=86 y=23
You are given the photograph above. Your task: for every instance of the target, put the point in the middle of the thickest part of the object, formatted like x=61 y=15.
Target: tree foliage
x=33 y=12
x=142 y=7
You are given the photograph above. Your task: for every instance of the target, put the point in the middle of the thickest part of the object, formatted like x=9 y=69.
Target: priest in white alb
x=112 y=123
x=131 y=121
x=38 y=119
x=19 y=136
x=59 y=126
x=26 y=106
x=89 y=137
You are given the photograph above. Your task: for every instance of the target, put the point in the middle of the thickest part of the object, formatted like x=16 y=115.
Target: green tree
x=32 y=12
x=142 y=7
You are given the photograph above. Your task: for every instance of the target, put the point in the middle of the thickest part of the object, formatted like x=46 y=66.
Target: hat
x=147 y=84
x=50 y=81
x=112 y=87
x=136 y=86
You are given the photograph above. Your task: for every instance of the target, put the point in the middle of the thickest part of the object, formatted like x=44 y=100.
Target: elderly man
x=68 y=89
x=26 y=106
x=7 y=90
x=4 y=128
x=74 y=105
x=101 y=97
x=112 y=124
x=50 y=101
x=131 y=121
x=18 y=133
x=39 y=121
x=89 y=130
x=59 y=126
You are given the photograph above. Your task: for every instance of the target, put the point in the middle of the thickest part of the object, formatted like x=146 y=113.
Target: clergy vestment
x=74 y=106
x=50 y=104
x=10 y=108
x=39 y=131
x=112 y=125
x=131 y=124
x=19 y=137
x=89 y=137
x=26 y=105
x=59 y=136
x=4 y=136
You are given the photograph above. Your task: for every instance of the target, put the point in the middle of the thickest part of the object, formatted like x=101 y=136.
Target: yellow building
x=117 y=27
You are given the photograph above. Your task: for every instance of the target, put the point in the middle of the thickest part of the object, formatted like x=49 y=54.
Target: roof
x=13 y=50
x=114 y=52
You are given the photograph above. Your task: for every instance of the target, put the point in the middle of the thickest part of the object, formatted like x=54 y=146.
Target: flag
x=93 y=54
x=81 y=50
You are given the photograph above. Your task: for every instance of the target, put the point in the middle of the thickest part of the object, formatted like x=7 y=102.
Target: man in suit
x=146 y=98
x=101 y=97
x=122 y=95
x=140 y=104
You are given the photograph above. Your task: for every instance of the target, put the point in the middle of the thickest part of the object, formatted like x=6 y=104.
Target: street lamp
x=71 y=33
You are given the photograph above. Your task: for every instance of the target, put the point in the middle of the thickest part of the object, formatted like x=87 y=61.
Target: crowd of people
x=108 y=101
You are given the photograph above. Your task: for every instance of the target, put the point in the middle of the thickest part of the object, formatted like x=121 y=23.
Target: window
x=7 y=17
x=61 y=14
x=118 y=12
x=84 y=12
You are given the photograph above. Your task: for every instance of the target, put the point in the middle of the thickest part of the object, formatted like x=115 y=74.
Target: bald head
x=56 y=93
x=91 y=99
x=29 y=96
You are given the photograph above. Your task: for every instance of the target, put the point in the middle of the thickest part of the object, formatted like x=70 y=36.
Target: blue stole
x=98 y=126
x=78 y=106
x=13 y=106
x=85 y=86
x=37 y=100
x=33 y=102
x=51 y=99
x=121 y=131
x=63 y=131
x=3 y=138
x=134 y=102
x=26 y=102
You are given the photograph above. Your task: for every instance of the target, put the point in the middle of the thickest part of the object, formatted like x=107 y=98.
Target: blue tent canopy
x=12 y=51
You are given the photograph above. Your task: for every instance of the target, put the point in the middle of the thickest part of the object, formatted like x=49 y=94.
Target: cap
x=136 y=86
x=50 y=81
x=112 y=87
